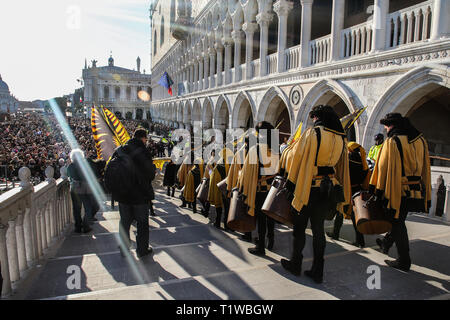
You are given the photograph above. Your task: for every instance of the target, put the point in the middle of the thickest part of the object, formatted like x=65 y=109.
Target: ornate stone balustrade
x=293 y=57
x=272 y=63
x=31 y=218
x=320 y=50
x=356 y=40
x=410 y=25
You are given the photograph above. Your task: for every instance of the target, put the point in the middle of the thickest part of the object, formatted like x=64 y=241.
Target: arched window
x=162 y=32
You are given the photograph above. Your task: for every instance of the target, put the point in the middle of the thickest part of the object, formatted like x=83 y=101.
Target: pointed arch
x=404 y=93
x=266 y=105
x=207 y=113
x=240 y=112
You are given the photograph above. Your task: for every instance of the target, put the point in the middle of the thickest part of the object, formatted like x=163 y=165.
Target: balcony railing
x=30 y=220
x=356 y=40
x=272 y=63
x=320 y=50
x=410 y=24
x=293 y=57
x=256 y=68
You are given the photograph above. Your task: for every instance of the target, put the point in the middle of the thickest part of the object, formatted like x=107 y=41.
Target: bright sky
x=43 y=43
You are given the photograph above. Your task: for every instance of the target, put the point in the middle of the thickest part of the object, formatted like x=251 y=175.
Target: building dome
x=3 y=85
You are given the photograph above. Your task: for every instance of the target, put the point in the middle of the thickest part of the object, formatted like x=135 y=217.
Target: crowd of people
x=36 y=141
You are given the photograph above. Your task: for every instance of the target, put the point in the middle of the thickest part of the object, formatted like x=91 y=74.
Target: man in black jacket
x=135 y=206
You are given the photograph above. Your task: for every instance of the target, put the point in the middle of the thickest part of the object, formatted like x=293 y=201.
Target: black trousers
x=316 y=212
x=78 y=201
x=266 y=225
x=173 y=191
x=399 y=235
x=339 y=221
x=128 y=213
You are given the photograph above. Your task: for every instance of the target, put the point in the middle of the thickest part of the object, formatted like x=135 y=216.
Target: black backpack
x=120 y=175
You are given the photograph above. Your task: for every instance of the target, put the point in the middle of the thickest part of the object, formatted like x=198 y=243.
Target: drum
x=370 y=217
x=203 y=190
x=238 y=217
x=277 y=205
x=222 y=185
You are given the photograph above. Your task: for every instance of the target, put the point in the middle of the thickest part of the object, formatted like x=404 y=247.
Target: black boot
x=194 y=206
x=259 y=249
x=168 y=191
x=173 y=192
x=383 y=246
x=332 y=235
x=316 y=272
x=247 y=237
x=218 y=218
x=294 y=265
x=397 y=264
x=183 y=205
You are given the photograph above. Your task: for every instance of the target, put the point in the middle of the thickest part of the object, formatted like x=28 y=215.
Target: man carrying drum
x=318 y=182
x=254 y=183
x=401 y=181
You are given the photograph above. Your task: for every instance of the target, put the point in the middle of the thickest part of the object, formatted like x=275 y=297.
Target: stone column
x=13 y=257
x=191 y=79
x=337 y=25
x=6 y=288
x=195 y=75
x=237 y=36
x=446 y=213
x=249 y=29
x=381 y=11
x=305 y=36
x=111 y=92
x=123 y=93
x=29 y=234
x=20 y=240
x=200 y=73
x=282 y=9
x=263 y=20
x=441 y=21
x=219 y=50
x=227 y=46
x=212 y=69
x=206 y=72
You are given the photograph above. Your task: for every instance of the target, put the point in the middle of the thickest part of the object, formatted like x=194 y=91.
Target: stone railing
x=272 y=62
x=256 y=68
x=410 y=24
x=320 y=50
x=356 y=40
x=440 y=194
x=293 y=57
x=31 y=219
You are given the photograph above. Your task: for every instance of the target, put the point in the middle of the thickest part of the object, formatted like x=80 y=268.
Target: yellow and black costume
x=182 y=174
x=254 y=183
x=193 y=180
x=318 y=182
x=402 y=181
x=207 y=174
x=218 y=174
x=359 y=178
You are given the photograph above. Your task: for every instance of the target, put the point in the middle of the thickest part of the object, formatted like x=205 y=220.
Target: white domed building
x=8 y=103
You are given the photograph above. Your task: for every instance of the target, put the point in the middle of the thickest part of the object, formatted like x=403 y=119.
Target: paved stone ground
x=194 y=260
